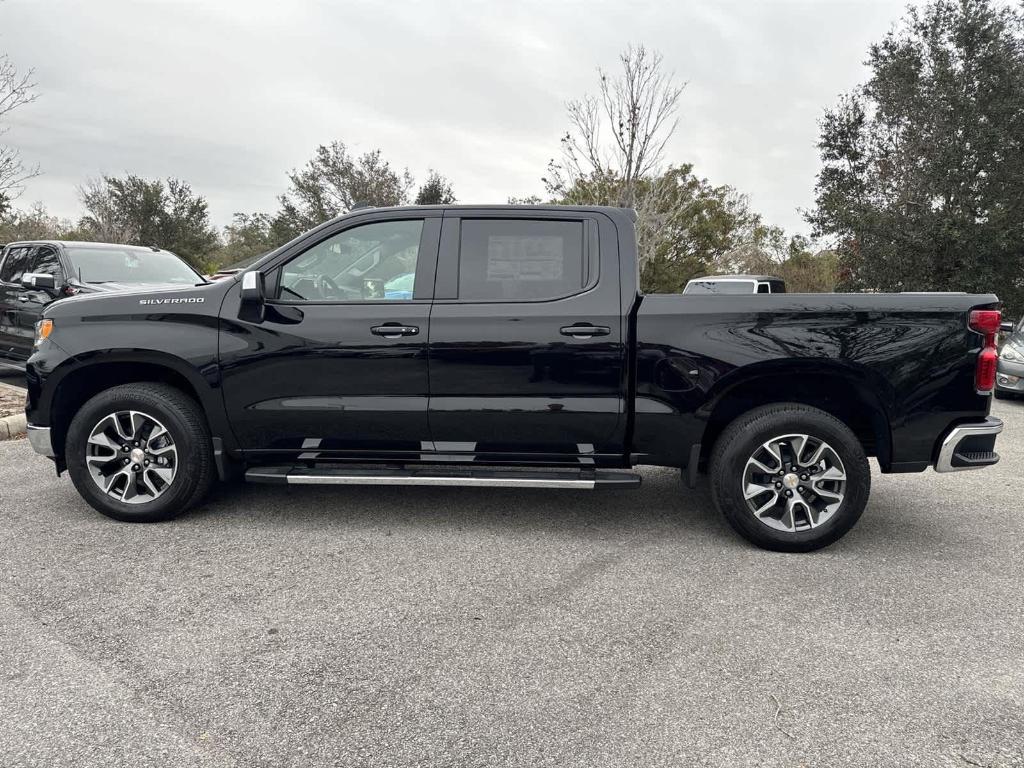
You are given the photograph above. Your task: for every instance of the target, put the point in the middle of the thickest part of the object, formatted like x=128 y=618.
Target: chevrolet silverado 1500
x=507 y=346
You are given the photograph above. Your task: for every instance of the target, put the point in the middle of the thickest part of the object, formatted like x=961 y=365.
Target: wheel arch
x=851 y=394
x=75 y=382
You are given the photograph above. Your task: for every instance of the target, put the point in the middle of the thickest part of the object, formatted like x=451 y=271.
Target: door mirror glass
x=38 y=281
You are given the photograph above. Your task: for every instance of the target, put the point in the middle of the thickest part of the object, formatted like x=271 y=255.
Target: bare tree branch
x=637 y=110
x=15 y=91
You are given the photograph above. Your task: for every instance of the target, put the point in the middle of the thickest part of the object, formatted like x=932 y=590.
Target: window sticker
x=514 y=257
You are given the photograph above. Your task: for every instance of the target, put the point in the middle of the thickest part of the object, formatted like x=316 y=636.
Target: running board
x=583 y=479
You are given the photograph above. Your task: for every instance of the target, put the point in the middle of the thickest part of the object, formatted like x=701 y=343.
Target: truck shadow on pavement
x=663 y=509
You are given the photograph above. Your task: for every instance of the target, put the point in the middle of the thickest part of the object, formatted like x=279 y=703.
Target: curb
x=12 y=426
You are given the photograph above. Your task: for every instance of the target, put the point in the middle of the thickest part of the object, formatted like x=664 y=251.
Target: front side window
x=520 y=259
x=110 y=264
x=14 y=265
x=44 y=261
x=372 y=262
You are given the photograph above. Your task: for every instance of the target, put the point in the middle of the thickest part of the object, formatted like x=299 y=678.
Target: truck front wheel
x=789 y=477
x=140 y=452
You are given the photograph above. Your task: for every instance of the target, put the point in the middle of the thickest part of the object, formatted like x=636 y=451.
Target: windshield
x=720 y=286
x=129 y=265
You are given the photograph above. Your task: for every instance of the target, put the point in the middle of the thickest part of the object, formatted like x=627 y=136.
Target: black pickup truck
x=507 y=346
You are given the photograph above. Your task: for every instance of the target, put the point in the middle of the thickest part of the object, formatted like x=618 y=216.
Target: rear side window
x=521 y=259
x=14 y=265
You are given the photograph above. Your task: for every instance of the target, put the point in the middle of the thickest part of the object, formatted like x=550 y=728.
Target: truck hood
x=118 y=298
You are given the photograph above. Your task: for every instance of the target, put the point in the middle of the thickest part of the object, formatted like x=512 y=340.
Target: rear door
x=527 y=342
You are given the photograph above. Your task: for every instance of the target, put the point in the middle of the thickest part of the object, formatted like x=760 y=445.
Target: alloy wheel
x=131 y=457
x=794 y=482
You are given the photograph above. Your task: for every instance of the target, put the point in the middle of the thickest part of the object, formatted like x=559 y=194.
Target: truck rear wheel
x=140 y=452
x=789 y=477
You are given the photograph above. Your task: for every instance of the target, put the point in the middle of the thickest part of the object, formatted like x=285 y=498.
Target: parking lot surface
x=468 y=627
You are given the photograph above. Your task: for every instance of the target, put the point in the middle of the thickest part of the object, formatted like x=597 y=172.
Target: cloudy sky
x=229 y=95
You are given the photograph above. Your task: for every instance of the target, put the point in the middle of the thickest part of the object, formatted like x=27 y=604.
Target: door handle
x=394 y=330
x=23 y=298
x=585 y=330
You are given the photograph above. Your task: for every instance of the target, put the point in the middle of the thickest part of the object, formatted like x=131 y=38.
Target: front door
x=21 y=308
x=527 y=340
x=42 y=260
x=337 y=367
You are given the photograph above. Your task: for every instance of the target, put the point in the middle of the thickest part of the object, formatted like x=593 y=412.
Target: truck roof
x=735 y=277
x=84 y=244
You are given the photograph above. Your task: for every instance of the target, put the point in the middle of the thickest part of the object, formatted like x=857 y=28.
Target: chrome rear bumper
x=39 y=439
x=969 y=446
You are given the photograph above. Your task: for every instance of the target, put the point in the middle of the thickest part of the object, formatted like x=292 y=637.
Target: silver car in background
x=1010 y=372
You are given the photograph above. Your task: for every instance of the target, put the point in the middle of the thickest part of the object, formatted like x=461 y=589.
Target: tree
x=436 y=190
x=34 y=224
x=16 y=90
x=617 y=139
x=138 y=211
x=248 y=236
x=922 y=178
x=334 y=182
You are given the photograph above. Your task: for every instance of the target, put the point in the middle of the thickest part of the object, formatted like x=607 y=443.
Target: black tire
x=742 y=439
x=185 y=422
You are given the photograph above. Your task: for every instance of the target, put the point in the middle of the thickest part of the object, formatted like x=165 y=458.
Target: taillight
x=986 y=322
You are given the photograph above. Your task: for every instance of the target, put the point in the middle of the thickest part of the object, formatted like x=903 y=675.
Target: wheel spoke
x=798 y=449
x=112 y=480
x=764 y=467
x=828 y=494
x=816 y=456
x=137 y=421
x=149 y=483
x=771 y=503
x=101 y=439
x=756 y=489
x=832 y=473
x=158 y=431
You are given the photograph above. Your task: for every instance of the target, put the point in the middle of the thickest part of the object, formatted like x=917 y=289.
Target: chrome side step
x=475 y=477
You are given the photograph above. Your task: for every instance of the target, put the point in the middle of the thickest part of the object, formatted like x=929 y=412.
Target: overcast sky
x=231 y=95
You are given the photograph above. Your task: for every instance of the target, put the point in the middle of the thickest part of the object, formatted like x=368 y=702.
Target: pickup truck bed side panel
x=913 y=353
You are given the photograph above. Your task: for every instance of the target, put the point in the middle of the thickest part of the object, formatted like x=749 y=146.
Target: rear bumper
x=39 y=439
x=969 y=446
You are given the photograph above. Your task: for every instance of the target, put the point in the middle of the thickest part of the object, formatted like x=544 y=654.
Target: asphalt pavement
x=469 y=627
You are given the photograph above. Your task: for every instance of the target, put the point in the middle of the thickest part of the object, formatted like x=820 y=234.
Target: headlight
x=1010 y=353
x=43 y=330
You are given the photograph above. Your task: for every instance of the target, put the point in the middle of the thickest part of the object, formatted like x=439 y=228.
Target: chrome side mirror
x=39 y=282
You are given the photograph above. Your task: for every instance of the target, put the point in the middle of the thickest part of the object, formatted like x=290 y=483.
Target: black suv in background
x=35 y=273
